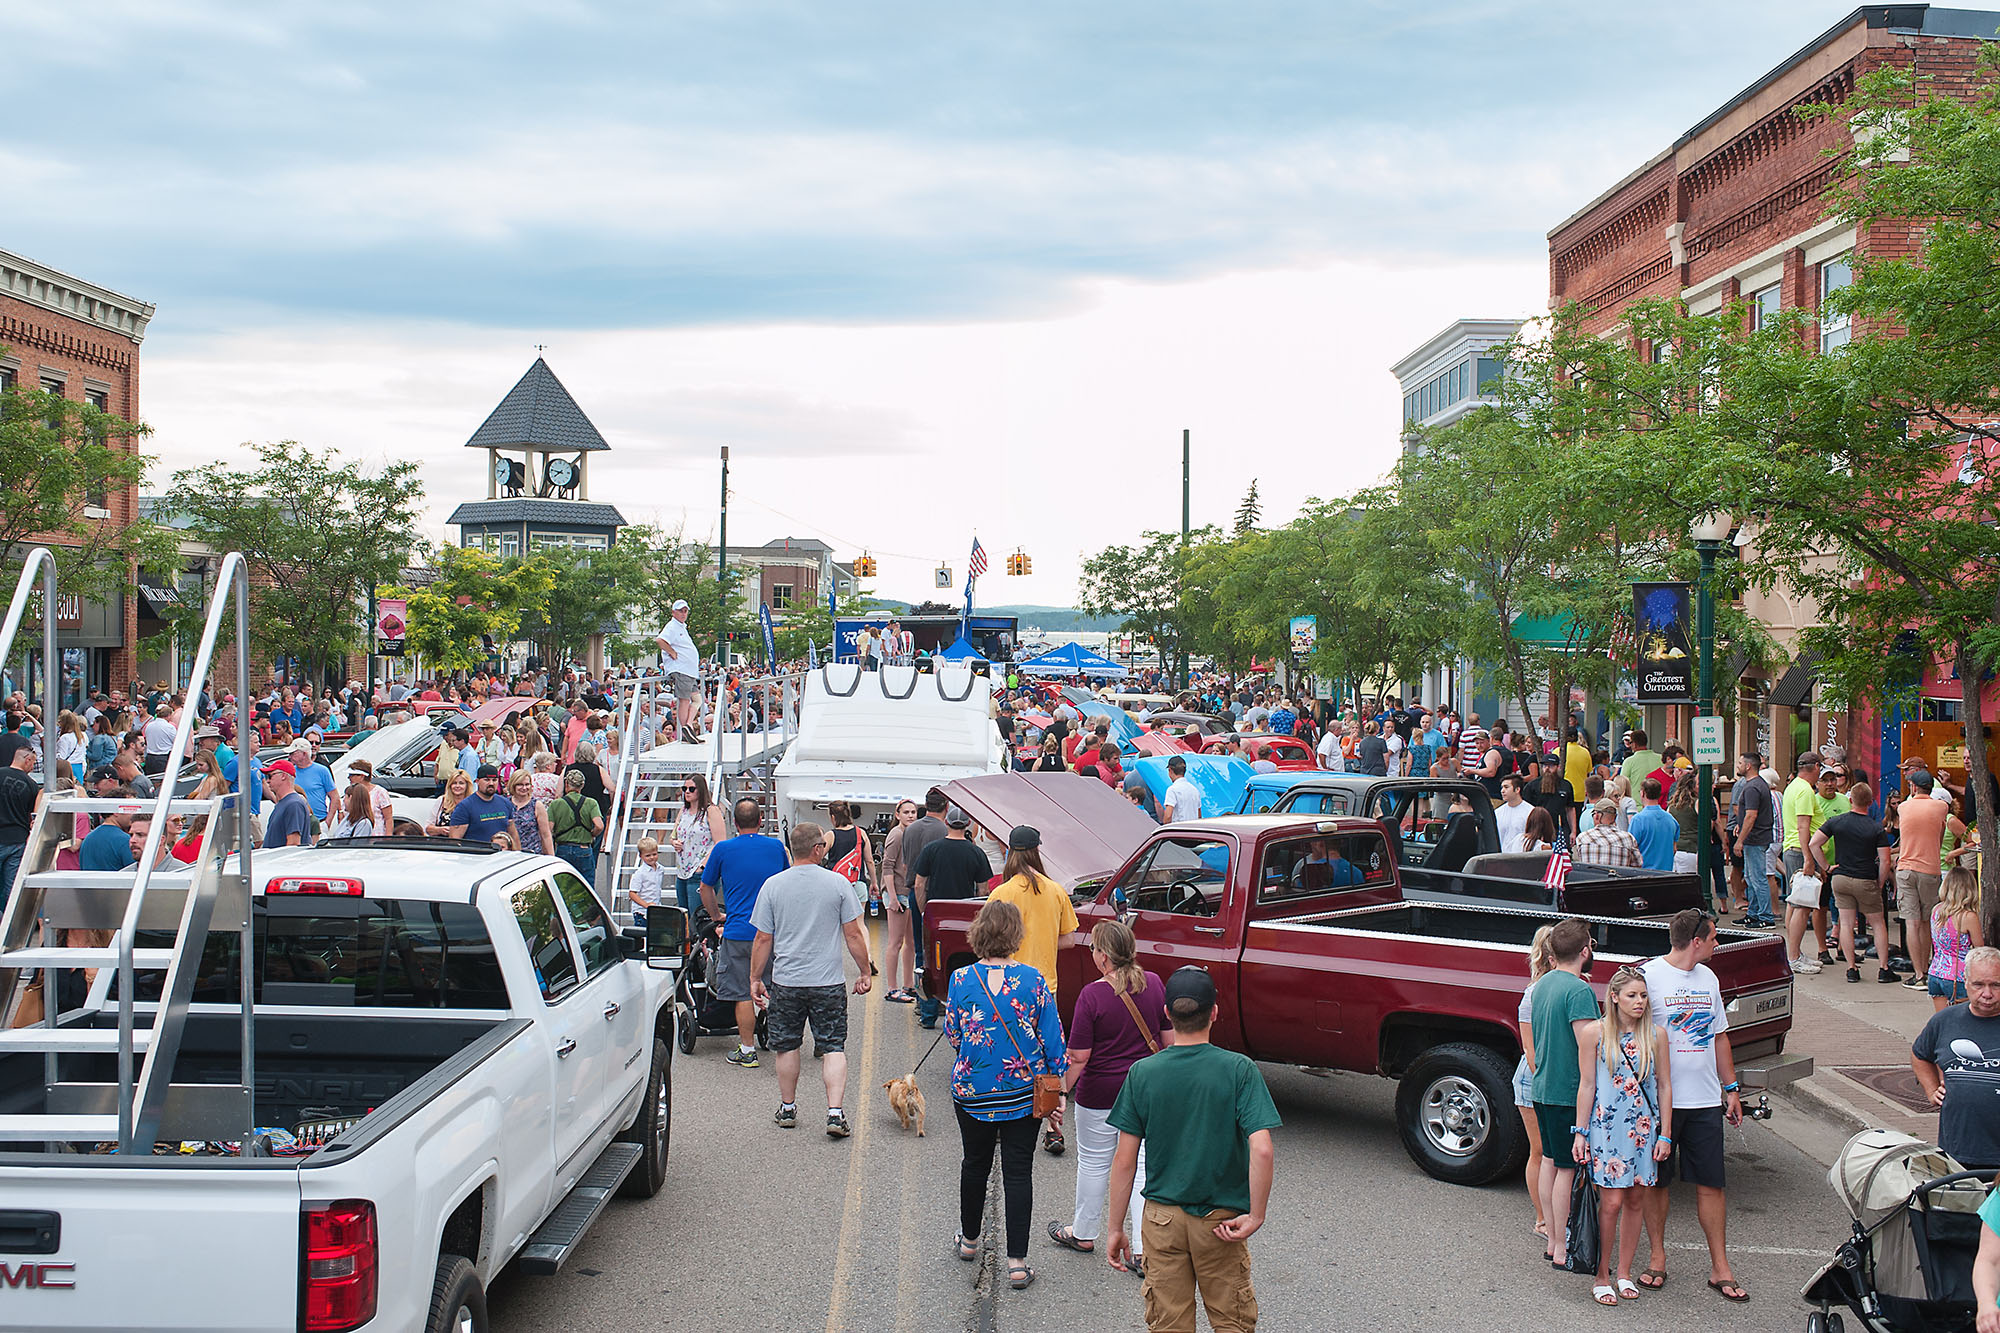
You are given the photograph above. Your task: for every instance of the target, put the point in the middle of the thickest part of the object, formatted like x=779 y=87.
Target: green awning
x=1548 y=632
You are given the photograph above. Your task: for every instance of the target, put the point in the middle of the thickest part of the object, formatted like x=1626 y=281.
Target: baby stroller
x=701 y=1014
x=1908 y=1266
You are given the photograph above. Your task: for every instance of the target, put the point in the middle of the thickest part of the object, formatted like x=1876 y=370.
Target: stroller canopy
x=1879 y=1169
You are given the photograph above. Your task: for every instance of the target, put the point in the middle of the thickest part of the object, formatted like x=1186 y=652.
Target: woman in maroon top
x=1119 y=1020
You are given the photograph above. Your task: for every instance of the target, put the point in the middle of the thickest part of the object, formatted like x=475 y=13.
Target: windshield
x=401 y=744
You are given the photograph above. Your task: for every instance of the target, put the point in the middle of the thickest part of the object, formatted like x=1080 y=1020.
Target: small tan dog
x=906 y=1099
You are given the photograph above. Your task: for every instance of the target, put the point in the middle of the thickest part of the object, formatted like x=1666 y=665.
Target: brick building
x=1735 y=209
x=63 y=335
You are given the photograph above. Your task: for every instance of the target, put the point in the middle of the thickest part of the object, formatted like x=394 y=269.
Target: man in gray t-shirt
x=928 y=829
x=803 y=916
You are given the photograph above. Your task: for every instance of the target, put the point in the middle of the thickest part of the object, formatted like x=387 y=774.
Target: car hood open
x=1087 y=829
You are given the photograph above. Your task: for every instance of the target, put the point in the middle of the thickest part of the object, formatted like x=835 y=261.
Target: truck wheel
x=649 y=1130
x=1455 y=1112
x=458 y=1302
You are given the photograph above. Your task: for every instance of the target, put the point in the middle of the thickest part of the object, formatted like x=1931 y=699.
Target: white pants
x=1096 y=1144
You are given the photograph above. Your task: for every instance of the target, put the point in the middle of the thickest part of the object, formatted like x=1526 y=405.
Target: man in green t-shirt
x=1640 y=764
x=1561 y=1009
x=1800 y=818
x=1205 y=1118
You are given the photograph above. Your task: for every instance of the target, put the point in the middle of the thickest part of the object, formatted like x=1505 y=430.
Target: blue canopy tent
x=960 y=651
x=1073 y=659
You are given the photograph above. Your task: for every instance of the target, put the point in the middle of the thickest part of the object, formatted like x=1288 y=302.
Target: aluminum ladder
x=181 y=905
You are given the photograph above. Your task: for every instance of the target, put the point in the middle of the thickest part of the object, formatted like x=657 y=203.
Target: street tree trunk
x=1979 y=786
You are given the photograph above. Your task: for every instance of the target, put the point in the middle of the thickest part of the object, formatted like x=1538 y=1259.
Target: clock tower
x=537 y=444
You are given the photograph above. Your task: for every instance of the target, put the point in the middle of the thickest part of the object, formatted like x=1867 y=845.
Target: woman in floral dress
x=1618 y=1124
x=1002 y=1018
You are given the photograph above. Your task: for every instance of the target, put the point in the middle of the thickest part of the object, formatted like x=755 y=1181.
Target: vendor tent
x=960 y=651
x=1073 y=659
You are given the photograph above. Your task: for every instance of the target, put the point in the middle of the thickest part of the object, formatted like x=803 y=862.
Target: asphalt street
x=768 y=1229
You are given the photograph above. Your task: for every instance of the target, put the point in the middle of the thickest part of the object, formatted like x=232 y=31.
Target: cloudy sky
x=926 y=268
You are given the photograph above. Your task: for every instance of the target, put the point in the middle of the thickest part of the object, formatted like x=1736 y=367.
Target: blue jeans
x=1756 y=883
x=10 y=867
x=690 y=893
x=581 y=858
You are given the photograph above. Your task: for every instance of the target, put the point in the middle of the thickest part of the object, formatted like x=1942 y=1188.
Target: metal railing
x=42 y=559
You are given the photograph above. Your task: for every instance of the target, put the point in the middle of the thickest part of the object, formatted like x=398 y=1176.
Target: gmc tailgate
x=167 y=1243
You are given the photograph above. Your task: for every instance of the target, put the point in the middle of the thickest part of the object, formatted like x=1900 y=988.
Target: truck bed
x=334 y=1066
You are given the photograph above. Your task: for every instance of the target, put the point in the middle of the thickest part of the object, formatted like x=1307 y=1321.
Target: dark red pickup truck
x=1320 y=962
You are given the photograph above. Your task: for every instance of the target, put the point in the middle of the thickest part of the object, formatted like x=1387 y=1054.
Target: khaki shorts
x=1183 y=1256
x=1916 y=895
x=1854 y=894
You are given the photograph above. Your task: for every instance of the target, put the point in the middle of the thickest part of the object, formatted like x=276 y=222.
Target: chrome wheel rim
x=660 y=1118
x=1456 y=1116
x=461 y=1320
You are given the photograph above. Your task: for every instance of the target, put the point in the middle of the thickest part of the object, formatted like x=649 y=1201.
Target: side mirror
x=666 y=936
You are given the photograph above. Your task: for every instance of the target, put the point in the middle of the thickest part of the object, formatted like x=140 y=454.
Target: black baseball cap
x=1193 y=986
x=1023 y=838
x=489 y=770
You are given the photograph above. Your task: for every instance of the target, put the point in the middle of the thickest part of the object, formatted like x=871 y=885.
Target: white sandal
x=1604 y=1295
x=1628 y=1290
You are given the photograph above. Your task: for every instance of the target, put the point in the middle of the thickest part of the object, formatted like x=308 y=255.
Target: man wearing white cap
x=681 y=660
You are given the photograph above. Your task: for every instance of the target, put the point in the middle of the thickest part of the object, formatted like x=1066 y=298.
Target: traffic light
x=1018 y=563
x=864 y=568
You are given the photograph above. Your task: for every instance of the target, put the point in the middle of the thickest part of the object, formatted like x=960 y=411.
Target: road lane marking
x=859 y=1084
x=1754 y=1249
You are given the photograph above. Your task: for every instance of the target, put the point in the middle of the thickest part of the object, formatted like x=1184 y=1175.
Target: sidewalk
x=1859 y=1036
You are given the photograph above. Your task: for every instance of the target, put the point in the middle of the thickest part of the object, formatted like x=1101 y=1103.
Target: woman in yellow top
x=1047 y=922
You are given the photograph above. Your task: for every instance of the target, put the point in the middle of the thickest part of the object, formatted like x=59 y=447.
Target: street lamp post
x=1709 y=531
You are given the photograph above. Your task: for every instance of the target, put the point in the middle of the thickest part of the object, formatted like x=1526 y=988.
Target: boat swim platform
x=737 y=752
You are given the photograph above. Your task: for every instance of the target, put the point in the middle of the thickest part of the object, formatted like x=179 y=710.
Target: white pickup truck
x=499 y=1052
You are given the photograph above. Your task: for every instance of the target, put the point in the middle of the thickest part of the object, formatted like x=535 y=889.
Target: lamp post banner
x=1304 y=634
x=1665 y=669
x=392 y=618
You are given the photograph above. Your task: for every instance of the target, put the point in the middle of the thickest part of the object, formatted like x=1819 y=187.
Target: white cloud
x=1058 y=435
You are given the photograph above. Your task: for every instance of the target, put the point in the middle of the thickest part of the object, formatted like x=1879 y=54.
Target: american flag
x=977 y=565
x=1556 y=877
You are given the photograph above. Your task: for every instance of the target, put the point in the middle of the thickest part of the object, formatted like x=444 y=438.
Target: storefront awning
x=156 y=599
x=1795 y=686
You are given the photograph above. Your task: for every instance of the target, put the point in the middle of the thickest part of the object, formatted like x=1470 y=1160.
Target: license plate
x=1760 y=1007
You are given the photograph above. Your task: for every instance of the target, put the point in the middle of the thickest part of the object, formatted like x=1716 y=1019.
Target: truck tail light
x=345 y=888
x=340 y=1266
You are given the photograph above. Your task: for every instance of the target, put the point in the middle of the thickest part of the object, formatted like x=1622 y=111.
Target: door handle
x=565 y=1046
x=1208 y=930
x=611 y=1010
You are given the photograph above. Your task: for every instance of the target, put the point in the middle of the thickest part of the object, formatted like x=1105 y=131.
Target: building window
x=1764 y=308
x=6 y=379
x=781 y=596
x=510 y=545
x=52 y=384
x=1834 y=329
x=1490 y=370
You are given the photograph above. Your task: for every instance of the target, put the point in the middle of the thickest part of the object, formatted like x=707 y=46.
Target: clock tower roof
x=538 y=413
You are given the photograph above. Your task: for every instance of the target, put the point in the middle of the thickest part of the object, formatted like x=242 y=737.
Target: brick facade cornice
x=17 y=331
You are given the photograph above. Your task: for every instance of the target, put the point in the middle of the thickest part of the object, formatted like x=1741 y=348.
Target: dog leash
x=927 y=1054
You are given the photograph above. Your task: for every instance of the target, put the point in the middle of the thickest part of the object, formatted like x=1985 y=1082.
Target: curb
x=1814 y=1101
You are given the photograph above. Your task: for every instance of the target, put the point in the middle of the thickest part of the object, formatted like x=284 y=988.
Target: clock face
x=561 y=473
x=501 y=470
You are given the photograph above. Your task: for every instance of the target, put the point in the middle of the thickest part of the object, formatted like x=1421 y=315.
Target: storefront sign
x=1665 y=669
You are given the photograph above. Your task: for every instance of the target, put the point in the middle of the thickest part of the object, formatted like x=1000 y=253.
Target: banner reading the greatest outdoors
x=1665 y=659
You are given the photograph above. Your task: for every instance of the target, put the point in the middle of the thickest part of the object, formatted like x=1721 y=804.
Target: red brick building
x=1735 y=209
x=64 y=335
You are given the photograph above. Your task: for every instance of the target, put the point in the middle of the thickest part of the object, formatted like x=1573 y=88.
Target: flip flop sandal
x=1626 y=1290
x=1604 y=1295
x=1659 y=1276
x=1020 y=1279
x=1066 y=1237
x=1733 y=1285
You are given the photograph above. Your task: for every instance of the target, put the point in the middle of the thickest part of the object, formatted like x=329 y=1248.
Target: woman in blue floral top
x=1001 y=1016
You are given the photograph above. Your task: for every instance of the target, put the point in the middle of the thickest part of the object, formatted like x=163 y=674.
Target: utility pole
x=722 y=584
x=1180 y=607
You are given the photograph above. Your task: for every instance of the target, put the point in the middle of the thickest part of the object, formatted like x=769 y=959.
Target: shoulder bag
x=1152 y=1042
x=1048 y=1087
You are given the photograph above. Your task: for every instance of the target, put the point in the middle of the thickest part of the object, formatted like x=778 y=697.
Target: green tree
x=1249 y=513
x=59 y=460
x=1150 y=588
x=317 y=532
x=472 y=599
x=673 y=569
x=589 y=593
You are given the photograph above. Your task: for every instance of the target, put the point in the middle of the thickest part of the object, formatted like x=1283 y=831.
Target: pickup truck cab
x=1319 y=960
x=1457 y=856
x=459 y=1058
